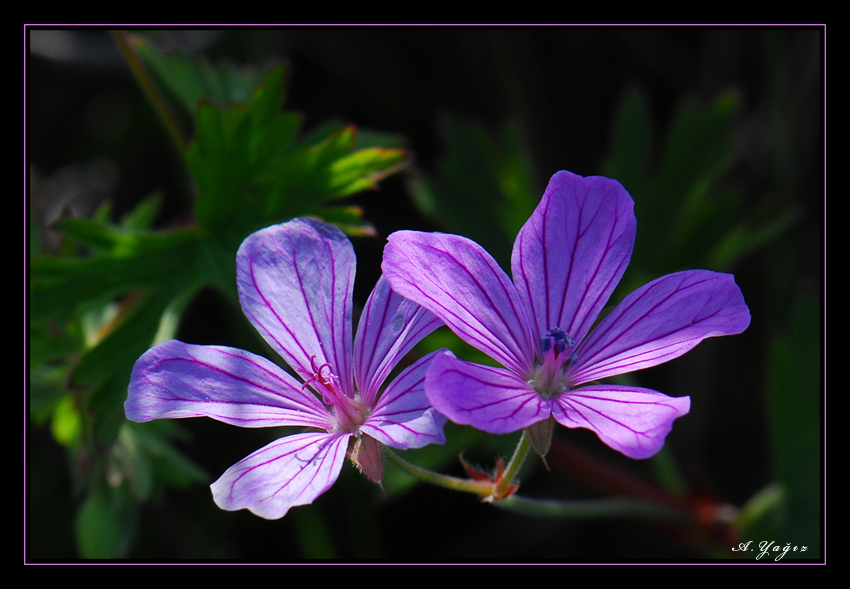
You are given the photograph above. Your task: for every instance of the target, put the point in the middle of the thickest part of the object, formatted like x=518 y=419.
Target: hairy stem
x=482 y=488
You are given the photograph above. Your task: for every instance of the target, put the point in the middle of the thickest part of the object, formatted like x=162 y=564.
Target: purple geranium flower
x=295 y=284
x=567 y=260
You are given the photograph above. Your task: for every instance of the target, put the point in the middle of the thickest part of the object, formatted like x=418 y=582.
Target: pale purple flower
x=295 y=285
x=567 y=260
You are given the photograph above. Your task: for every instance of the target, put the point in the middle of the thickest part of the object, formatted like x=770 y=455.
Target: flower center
x=350 y=413
x=555 y=355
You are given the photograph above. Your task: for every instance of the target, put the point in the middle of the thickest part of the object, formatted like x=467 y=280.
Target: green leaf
x=105 y=368
x=149 y=461
x=689 y=211
x=100 y=528
x=191 y=79
x=698 y=146
x=60 y=286
x=631 y=155
x=741 y=240
x=66 y=423
x=795 y=389
x=362 y=170
x=143 y=214
x=126 y=340
x=251 y=171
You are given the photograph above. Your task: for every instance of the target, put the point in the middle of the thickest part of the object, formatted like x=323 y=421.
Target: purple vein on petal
x=403 y=416
x=261 y=491
x=389 y=327
x=573 y=250
x=573 y=404
x=275 y=459
x=604 y=329
x=519 y=341
x=633 y=360
x=489 y=398
x=177 y=380
x=339 y=358
x=504 y=345
x=366 y=329
x=263 y=261
x=622 y=344
x=589 y=316
x=471 y=339
x=279 y=346
x=499 y=338
x=282 y=401
x=631 y=420
x=573 y=400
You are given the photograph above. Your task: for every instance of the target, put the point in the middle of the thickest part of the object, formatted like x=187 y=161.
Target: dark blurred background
x=91 y=136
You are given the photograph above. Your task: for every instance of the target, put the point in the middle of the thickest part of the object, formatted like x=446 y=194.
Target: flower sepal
x=495 y=488
x=365 y=453
x=540 y=435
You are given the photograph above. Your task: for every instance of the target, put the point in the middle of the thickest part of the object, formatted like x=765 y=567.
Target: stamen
x=557 y=354
x=561 y=340
x=349 y=412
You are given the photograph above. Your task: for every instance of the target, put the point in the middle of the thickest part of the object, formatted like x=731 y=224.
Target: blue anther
x=561 y=339
x=561 y=344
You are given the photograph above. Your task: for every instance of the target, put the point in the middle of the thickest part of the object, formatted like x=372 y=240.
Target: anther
x=557 y=337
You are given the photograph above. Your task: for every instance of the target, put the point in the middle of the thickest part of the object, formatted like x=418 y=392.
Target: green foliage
x=688 y=209
x=99 y=529
x=789 y=510
x=794 y=389
x=251 y=169
x=117 y=288
x=190 y=80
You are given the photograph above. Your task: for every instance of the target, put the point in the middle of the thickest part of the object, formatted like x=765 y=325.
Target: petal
x=403 y=417
x=291 y=471
x=572 y=252
x=660 y=321
x=295 y=284
x=491 y=399
x=462 y=284
x=175 y=380
x=631 y=420
x=389 y=327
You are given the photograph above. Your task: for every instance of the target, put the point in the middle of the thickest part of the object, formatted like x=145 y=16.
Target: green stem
x=592 y=508
x=585 y=509
x=483 y=488
x=150 y=90
x=515 y=463
x=488 y=489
